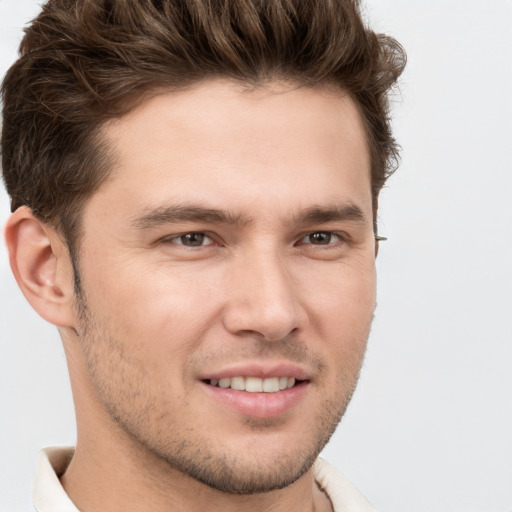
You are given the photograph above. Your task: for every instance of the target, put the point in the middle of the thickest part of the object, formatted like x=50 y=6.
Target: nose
x=263 y=299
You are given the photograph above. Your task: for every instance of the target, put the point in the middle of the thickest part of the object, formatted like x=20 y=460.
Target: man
x=194 y=189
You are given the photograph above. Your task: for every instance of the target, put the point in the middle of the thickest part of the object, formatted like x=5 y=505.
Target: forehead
x=220 y=144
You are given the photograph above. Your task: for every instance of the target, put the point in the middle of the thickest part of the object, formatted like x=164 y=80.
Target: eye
x=321 y=238
x=194 y=239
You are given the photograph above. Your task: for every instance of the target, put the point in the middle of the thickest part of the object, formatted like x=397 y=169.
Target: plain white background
x=430 y=427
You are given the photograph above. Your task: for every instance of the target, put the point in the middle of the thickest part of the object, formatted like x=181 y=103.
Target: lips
x=258 y=370
x=258 y=391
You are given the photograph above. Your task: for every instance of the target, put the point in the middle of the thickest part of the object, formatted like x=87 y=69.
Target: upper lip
x=260 y=370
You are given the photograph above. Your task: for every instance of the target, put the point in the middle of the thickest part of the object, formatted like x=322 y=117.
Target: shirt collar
x=48 y=495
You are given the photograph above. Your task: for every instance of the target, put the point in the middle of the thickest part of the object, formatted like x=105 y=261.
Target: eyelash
x=341 y=237
x=189 y=234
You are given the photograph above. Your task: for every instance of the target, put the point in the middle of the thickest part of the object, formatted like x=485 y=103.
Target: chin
x=233 y=475
x=265 y=462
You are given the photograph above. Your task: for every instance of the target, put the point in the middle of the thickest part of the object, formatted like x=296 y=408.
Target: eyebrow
x=187 y=213
x=322 y=215
x=155 y=217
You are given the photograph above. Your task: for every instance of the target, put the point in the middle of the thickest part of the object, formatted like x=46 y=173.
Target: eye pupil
x=320 y=238
x=193 y=239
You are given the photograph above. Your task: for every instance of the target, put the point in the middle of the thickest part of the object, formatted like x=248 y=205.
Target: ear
x=42 y=267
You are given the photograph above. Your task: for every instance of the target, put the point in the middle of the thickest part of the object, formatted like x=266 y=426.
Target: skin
x=268 y=286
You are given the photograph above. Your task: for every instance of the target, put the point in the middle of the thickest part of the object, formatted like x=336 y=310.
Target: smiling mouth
x=255 y=384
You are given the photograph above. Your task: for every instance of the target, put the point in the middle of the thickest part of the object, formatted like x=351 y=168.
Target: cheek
x=157 y=312
x=343 y=297
x=342 y=313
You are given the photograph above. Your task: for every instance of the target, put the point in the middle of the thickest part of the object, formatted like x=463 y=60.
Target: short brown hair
x=83 y=62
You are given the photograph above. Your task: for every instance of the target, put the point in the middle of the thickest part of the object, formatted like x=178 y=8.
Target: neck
x=104 y=475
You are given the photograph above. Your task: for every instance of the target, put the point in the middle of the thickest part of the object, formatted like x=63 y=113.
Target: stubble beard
x=142 y=416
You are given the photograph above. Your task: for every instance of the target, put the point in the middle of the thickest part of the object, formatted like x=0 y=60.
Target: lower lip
x=259 y=405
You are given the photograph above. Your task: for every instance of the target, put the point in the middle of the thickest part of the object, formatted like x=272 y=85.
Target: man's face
x=232 y=247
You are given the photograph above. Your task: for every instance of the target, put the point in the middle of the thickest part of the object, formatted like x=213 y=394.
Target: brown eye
x=194 y=239
x=320 y=238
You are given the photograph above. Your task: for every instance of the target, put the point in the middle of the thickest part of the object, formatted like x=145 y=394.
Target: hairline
x=105 y=154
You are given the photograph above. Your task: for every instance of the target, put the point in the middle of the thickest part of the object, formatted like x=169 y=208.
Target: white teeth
x=224 y=383
x=255 y=384
x=271 y=385
x=238 y=383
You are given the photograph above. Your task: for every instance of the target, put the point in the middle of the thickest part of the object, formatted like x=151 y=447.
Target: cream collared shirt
x=49 y=495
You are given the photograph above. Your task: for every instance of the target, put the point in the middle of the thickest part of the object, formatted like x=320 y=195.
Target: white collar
x=342 y=493
x=48 y=495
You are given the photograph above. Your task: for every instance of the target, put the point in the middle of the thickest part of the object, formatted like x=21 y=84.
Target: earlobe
x=40 y=263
